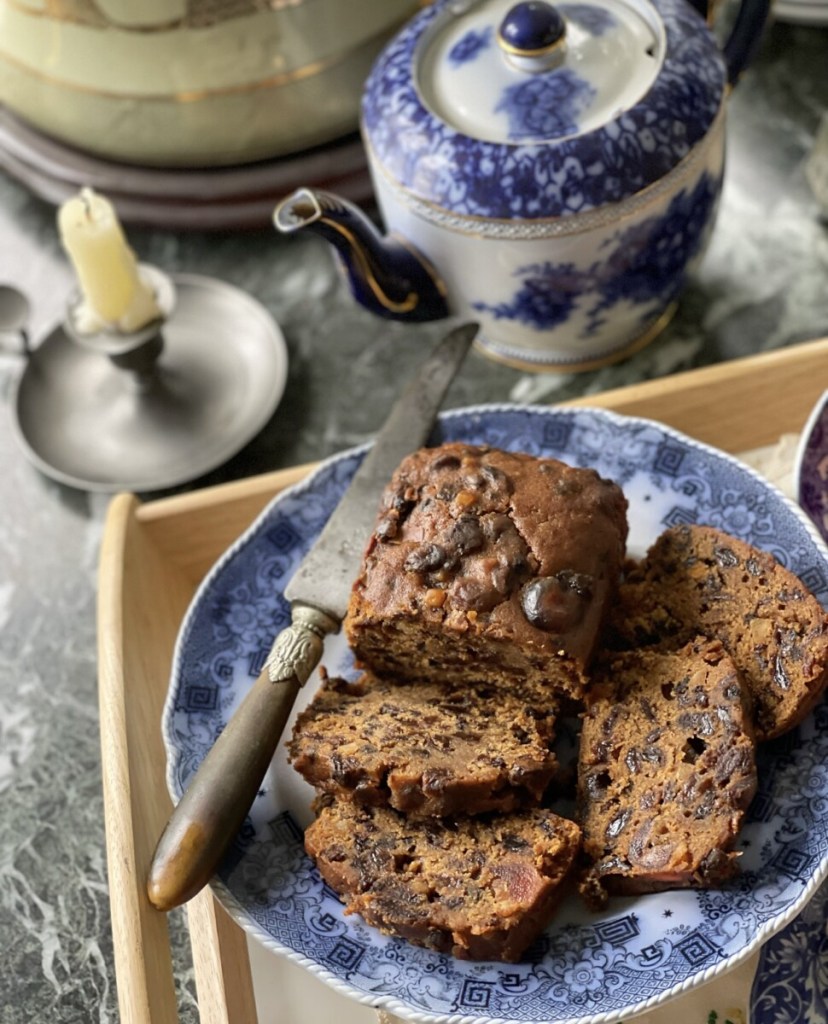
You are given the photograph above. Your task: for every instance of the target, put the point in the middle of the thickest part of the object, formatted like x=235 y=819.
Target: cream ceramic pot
x=556 y=169
x=191 y=82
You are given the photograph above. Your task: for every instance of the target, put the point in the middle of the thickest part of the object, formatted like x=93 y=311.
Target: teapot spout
x=386 y=276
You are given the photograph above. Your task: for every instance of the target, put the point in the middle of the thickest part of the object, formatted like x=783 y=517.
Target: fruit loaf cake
x=699 y=580
x=427 y=748
x=488 y=563
x=666 y=769
x=477 y=888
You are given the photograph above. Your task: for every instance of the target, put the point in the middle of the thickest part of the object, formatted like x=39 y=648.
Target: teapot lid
x=535 y=110
x=532 y=72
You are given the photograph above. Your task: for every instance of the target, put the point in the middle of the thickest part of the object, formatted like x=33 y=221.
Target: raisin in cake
x=490 y=563
x=427 y=748
x=698 y=580
x=666 y=769
x=477 y=888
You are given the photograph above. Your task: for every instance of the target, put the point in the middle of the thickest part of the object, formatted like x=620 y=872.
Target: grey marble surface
x=763 y=284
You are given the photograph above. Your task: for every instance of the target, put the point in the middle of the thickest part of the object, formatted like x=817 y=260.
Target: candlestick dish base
x=208 y=387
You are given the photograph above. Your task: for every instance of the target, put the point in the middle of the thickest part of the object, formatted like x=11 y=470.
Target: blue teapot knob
x=532 y=34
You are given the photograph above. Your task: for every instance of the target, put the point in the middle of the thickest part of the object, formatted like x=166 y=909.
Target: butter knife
x=211 y=811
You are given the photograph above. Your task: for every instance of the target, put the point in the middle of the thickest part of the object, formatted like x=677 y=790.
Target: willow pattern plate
x=586 y=967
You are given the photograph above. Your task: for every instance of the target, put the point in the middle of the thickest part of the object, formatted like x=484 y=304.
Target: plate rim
x=390 y=1003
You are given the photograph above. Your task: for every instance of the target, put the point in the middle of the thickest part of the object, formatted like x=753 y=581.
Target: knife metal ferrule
x=298 y=648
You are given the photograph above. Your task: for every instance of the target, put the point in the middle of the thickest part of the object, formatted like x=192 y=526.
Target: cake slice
x=427 y=749
x=698 y=580
x=666 y=769
x=490 y=564
x=477 y=888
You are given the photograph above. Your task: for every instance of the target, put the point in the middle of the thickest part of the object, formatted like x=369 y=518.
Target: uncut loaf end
x=490 y=564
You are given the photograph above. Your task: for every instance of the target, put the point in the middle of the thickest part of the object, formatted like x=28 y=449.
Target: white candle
x=107 y=271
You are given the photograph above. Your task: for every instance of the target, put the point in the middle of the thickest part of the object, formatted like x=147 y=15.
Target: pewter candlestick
x=105 y=409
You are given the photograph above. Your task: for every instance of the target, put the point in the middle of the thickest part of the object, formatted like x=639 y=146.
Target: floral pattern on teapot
x=470 y=46
x=596 y=20
x=645 y=265
x=546 y=105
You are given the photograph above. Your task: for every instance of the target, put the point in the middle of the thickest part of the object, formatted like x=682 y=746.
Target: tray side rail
x=142 y=597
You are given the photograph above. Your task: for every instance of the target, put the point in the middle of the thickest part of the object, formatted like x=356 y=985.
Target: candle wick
x=86 y=196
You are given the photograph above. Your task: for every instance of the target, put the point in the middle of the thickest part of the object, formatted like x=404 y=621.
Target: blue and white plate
x=586 y=967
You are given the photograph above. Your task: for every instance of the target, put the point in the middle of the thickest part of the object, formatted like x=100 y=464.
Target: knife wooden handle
x=220 y=794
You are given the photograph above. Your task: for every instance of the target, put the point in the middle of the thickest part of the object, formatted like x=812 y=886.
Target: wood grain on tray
x=152 y=558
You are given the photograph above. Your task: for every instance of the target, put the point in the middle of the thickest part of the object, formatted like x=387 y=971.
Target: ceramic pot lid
x=532 y=72
x=531 y=110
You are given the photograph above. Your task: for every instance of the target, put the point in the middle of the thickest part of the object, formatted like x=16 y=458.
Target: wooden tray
x=153 y=557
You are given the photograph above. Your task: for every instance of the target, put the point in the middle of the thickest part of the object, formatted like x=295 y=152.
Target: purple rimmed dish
x=811 y=467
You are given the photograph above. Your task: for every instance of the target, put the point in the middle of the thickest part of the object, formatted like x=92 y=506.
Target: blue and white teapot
x=549 y=171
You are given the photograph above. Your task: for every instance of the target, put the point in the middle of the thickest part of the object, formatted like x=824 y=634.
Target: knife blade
x=208 y=816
